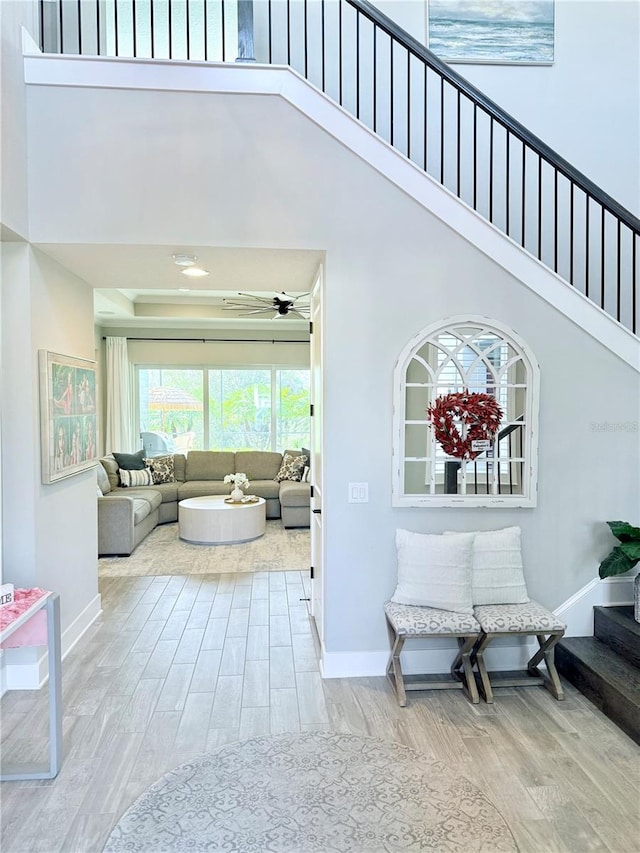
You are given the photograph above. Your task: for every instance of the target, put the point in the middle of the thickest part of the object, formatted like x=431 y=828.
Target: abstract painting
x=492 y=31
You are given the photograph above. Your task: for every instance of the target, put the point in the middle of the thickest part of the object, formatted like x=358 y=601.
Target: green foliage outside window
x=246 y=409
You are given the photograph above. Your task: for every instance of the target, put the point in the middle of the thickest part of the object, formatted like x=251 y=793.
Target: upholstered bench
x=412 y=622
x=509 y=620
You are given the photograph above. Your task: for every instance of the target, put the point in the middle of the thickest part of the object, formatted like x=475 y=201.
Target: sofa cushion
x=141 y=509
x=434 y=570
x=103 y=480
x=209 y=465
x=258 y=464
x=161 y=468
x=130 y=461
x=201 y=488
x=292 y=467
x=111 y=467
x=152 y=496
x=168 y=491
x=295 y=494
x=179 y=465
x=264 y=488
x=135 y=478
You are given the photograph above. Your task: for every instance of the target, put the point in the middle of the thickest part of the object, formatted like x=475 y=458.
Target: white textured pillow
x=135 y=478
x=498 y=575
x=434 y=571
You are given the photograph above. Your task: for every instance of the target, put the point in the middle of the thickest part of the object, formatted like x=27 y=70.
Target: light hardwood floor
x=180 y=665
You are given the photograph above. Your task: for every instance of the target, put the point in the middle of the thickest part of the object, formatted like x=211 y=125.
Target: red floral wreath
x=479 y=413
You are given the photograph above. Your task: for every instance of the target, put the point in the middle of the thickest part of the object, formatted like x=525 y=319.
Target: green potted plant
x=624 y=557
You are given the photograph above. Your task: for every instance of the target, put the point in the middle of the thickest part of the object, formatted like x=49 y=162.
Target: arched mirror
x=446 y=381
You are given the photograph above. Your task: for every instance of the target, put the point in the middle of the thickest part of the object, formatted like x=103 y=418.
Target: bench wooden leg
x=547 y=650
x=463 y=659
x=477 y=659
x=394 y=671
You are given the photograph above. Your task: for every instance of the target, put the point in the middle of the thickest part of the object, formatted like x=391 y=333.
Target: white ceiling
x=138 y=286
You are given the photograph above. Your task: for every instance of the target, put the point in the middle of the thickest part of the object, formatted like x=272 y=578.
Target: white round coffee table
x=211 y=521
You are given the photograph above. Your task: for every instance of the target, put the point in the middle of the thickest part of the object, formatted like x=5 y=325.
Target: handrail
x=403 y=92
x=506 y=120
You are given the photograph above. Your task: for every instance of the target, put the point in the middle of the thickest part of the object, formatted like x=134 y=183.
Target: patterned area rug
x=312 y=793
x=163 y=553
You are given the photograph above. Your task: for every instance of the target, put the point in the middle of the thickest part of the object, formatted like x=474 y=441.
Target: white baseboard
x=507 y=654
x=435 y=657
x=33 y=674
x=577 y=611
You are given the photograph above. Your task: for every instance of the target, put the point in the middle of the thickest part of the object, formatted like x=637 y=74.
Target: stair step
x=610 y=681
x=616 y=627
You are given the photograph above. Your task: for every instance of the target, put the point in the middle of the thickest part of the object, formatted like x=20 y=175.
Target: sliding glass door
x=210 y=408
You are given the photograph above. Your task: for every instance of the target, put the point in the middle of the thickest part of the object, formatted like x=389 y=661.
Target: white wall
x=587 y=104
x=391 y=269
x=13 y=207
x=49 y=532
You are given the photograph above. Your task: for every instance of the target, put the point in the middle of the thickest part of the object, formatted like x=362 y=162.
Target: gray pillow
x=130 y=461
x=103 y=480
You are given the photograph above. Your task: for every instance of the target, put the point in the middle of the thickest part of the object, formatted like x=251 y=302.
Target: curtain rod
x=216 y=340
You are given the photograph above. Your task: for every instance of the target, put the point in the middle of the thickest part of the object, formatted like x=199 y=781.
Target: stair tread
x=606 y=664
x=617 y=627
x=622 y=615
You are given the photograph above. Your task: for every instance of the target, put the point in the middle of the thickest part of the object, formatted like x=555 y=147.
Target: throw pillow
x=291 y=468
x=434 y=570
x=134 y=477
x=498 y=573
x=103 y=480
x=130 y=461
x=306 y=474
x=99 y=491
x=307 y=453
x=162 y=469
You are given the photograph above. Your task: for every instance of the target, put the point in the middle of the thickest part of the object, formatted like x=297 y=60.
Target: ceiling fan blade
x=267 y=299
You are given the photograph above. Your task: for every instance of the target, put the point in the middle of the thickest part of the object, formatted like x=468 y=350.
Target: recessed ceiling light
x=107 y=313
x=184 y=260
x=195 y=272
x=184 y=289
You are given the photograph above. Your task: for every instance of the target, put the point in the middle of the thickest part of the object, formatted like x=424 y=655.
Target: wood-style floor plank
x=177 y=666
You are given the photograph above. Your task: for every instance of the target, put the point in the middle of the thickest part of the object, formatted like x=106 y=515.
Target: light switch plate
x=358 y=493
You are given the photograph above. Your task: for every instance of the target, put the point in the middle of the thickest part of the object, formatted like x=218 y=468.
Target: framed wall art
x=68 y=420
x=492 y=31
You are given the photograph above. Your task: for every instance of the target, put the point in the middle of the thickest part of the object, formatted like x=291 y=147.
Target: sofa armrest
x=115 y=525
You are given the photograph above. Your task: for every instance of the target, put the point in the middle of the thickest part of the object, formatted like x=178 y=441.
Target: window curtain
x=120 y=434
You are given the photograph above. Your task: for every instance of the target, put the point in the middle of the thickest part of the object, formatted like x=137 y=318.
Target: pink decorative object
x=34 y=631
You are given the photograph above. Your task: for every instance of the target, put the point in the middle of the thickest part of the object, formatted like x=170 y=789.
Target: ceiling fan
x=283 y=304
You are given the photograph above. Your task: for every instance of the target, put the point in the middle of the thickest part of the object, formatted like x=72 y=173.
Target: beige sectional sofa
x=127 y=515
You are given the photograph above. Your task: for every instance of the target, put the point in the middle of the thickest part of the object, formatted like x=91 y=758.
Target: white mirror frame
x=528 y=496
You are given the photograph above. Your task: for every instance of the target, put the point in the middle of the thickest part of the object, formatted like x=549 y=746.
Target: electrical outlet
x=358 y=493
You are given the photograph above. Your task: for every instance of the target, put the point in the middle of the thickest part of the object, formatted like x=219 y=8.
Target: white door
x=317 y=541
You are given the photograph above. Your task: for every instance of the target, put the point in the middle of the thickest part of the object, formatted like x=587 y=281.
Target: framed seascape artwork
x=68 y=425
x=492 y=31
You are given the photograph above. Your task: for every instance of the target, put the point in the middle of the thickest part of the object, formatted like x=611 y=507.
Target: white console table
x=50 y=601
